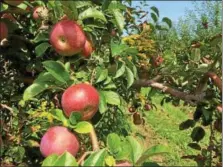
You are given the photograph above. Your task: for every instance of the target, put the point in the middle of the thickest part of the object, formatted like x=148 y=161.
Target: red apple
x=67 y=38
x=9 y=17
x=40 y=12
x=82 y=98
x=57 y=140
x=124 y=164
x=87 y=50
x=13 y=3
x=3 y=31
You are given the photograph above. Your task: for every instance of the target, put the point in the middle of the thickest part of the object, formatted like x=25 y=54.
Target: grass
x=163 y=128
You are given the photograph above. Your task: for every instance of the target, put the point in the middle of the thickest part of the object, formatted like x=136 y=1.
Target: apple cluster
x=82 y=98
x=68 y=38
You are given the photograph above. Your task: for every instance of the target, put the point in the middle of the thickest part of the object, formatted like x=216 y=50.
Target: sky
x=172 y=9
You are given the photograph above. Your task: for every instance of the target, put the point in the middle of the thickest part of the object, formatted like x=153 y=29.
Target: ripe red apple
x=87 y=50
x=67 y=38
x=13 y=3
x=82 y=98
x=125 y=163
x=3 y=31
x=132 y=109
x=40 y=12
x=57 y=140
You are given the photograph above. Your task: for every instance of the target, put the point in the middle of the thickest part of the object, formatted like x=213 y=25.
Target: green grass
x=164 y=123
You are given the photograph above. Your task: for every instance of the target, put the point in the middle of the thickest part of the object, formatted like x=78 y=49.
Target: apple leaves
x=92 y=13
x=55 y=77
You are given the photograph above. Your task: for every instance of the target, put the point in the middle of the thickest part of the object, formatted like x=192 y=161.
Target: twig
x=7 y=107
x=216 y=80
x=94 y=140
x=83 y=157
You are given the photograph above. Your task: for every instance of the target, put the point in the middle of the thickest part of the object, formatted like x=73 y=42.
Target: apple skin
x=82 y=98
x=67 y=38
x=124 y=164
x=87 y=50
x=13 y=3
x=3 y=31
x=40 y=12
x=57 y=140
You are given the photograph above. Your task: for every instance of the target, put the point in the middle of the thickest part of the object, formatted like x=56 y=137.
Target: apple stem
x=94 y=140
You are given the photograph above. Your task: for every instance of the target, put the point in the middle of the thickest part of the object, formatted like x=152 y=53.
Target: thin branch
x=94 y=140
x=83 y=157
x=7 y=107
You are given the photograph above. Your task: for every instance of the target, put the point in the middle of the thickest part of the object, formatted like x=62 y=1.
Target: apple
x=9 y=17
x=125 y=163
x=13 y=3
x=67 y=38
x=57 y=140
x=3 y=31
x=87 y=50
x=137 y=119
x=132 y=109
x=40 y=12
x=82 y=98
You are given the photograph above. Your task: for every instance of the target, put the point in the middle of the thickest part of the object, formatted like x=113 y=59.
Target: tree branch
x=191 y=98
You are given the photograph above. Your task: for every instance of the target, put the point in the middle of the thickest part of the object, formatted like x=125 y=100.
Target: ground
x=165 y=130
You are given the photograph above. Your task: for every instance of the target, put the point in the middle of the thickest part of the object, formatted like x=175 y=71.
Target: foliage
x=34 y=77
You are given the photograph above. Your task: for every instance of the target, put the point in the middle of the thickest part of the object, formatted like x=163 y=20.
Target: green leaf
x=80 y=4
x=41 y=48
x=194 y=146
x=70 y=9
x=155 y=150
x=167 y=21
x=92 y=13
x=124 y=152
x=119 y=19
x=66 y=159
x=3 y=7
x=111 y=97
x=154 y=9
x=47 y=78
x=130 y=77
x=96 y=159
x=110 y=161
x=50 y=160
x=114 y=143
x=136 y=149
x=120 y=71
x=83 y=127
x=154 y=17
x=102 y=103
x=117 y=49
x=59 y=115
x=196 y=54
x=58 y=70
x=197 y=134
x=102 y=76
x=41 y=36
x=33 y=90
x=187 y=124
x=75 y=117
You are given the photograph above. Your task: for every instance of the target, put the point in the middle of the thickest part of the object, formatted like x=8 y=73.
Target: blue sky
x=172 y=9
